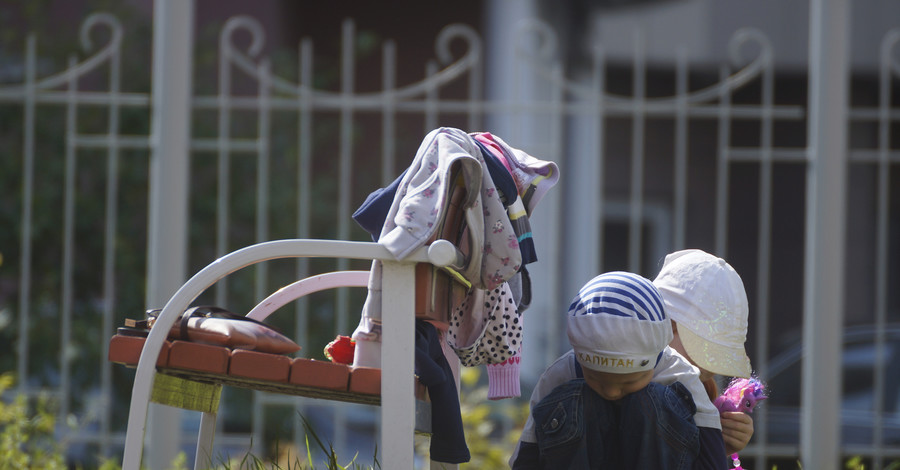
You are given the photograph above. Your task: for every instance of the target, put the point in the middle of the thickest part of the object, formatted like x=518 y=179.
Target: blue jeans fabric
x=650 y=429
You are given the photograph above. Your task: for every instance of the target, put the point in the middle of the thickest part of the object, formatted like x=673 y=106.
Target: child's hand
x=737 y=429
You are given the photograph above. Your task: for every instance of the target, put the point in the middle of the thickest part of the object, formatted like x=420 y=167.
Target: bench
x=190 y=375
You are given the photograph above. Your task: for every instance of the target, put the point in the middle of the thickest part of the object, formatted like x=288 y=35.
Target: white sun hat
x=705 y=297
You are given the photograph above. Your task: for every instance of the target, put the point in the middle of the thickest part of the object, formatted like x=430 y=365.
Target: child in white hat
x=621 y=398
x=705 y=298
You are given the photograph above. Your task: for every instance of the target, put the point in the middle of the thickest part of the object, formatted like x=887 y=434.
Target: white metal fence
x=689 y=157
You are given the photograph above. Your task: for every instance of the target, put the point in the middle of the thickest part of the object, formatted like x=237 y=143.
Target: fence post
x=826 y=199
x=167 y=235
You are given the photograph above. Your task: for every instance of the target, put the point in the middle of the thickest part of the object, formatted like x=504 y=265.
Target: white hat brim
x=716 y=358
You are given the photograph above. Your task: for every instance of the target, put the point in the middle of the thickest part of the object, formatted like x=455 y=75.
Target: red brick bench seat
x=258 y=371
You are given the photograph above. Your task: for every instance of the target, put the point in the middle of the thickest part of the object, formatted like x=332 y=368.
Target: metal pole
x=173 y=23
x=825 y=233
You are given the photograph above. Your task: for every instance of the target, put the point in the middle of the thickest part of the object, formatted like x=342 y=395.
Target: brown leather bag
x=216 y=326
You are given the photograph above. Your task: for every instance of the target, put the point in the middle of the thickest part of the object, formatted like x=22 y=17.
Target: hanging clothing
x=533 y=177
x=370 y=215
x=448 y=440
x=509 y=194
x=514 y=174
x=415 y=214
x=486 y=328
x=500 y=175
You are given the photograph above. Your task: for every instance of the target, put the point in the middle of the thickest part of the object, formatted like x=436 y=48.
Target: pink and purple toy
x=741 y=395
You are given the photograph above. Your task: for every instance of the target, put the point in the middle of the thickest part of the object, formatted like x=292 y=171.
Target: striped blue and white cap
x=617 y=323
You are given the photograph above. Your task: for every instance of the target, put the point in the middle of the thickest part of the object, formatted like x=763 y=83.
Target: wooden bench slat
x=259 y=371
x=126 y=350
x=261 y=366
x=365 y=380
x=199 y=357
x=320 y=374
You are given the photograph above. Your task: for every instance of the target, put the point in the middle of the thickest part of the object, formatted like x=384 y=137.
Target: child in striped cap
x=621 y=398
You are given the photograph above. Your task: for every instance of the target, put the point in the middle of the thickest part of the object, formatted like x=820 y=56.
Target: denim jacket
x=653 y=428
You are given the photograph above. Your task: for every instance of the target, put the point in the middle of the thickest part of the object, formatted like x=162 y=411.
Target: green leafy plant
x=858 y=463
x=26 y=432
